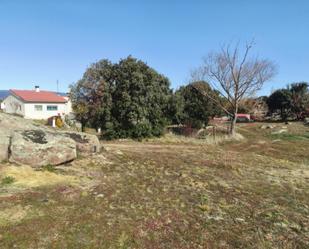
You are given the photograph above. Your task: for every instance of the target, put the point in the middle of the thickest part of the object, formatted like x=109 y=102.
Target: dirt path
x=137 y=146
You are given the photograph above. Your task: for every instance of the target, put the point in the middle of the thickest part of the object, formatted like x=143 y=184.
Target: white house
x=36 y=104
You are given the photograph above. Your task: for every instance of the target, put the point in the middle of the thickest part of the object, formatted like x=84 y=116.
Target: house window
x=38 y=107
x=52 y=108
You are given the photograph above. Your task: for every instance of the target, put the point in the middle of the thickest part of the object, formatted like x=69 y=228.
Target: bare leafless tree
x=235 y=76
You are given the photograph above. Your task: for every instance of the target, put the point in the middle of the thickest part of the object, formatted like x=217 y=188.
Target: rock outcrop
x=4 y=147
x=280 y=131
x=39 y=148
x=86 y=143
x=267 y=126
x=25 y=142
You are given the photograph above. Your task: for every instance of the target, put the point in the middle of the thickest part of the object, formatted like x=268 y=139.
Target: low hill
x=4 y=94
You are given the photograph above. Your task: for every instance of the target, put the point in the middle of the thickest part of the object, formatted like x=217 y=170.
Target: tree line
x=131 y=99
x=290 y=102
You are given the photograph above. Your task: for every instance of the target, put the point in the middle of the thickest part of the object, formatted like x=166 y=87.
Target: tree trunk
x=233 y=125
x=233 y=121
x=83 y=123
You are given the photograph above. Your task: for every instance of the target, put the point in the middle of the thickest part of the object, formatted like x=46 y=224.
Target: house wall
x=2 y=105
x=32 y=113
x=13 y=105
x=68 y=105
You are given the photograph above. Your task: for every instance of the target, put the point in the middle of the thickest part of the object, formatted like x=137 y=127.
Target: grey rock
x=280 y=131
x=4 y=147
x=38 y=148
x=23 y=141
x=276 y=140
x=268 y=126
x=86 y=143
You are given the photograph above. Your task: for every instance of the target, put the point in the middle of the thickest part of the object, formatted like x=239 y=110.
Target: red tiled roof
x=242 y=115
x=41 y=96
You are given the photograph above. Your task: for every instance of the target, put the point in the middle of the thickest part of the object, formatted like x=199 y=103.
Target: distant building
x=1 y=105
x=242 y=117
x=36 y=104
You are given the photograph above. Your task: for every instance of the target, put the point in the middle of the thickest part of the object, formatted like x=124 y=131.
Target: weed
x=290 y=137
x=7 y=180
x=49 y=168
x=204 y=203
x=123 y=241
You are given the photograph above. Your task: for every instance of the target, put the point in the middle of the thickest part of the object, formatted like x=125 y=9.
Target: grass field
x=166 y=193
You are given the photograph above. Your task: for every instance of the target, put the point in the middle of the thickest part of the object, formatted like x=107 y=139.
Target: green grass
x=7 y=180
x=251 y=193
x=49 y=168
x=290 y=137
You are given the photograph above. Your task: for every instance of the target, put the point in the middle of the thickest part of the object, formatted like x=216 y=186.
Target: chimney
x=37 y=89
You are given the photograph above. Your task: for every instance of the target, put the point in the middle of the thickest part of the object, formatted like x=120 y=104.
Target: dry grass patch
x=171 y=192
x=15 y=214
x=171 y=138
x=27 y=177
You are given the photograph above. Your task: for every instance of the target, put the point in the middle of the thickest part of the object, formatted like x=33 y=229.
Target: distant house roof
x=38 y=96
x=242 y=115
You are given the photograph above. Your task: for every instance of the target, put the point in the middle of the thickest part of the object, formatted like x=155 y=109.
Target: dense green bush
x=126 y=99
x=194 y=107
x=292 y=102
x=280 y=101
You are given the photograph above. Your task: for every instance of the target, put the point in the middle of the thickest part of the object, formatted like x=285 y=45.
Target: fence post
x=214 y=130
x=54 y=122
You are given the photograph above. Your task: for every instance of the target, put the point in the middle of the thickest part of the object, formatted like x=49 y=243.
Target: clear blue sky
x=45 y=41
